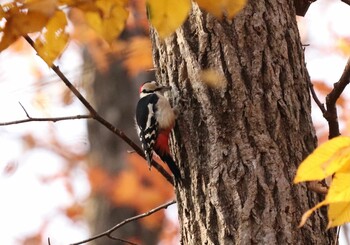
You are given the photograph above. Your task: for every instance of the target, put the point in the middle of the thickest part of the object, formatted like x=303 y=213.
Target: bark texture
x=239 y=145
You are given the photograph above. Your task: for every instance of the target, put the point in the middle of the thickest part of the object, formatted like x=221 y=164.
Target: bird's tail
x=166 y=157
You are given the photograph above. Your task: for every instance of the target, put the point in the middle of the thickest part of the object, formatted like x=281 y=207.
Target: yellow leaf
x=2 y=13
x=213 y=78
x=220 y=7
x=343 y=44
x=19 y=24
x=338 y=214
x=84 y=5
x=307 y=214
x=51 y=44
x=167 y=15
x=45 y=7
x=339 y=191
x=110 y=21
x=68 y=2
x=325 y=160
x=7 y=9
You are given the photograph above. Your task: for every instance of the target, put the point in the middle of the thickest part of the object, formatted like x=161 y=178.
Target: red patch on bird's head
x=140 y=90
x=141 y=87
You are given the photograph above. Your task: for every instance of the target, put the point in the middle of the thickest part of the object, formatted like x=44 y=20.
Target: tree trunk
x=239 y=145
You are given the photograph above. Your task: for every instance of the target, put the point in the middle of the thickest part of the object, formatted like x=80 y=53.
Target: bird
x=155 y=119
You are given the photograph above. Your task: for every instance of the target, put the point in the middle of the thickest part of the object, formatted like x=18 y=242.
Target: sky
x=25 y=201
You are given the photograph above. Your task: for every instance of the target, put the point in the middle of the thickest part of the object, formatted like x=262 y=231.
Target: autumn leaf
x=339 y=191
x=74 y=211
x=343 y=45
x=45 y=7
x=110 y=20
x=138 y=56
x=338 y=214
x=331 y=158
x=52 y=43
x=213 y=78
x=99 y=179
x=308 y=213
x=20 y=23
x=125 y=188
x=325 y=160
x=220 y=7
x=167 y=15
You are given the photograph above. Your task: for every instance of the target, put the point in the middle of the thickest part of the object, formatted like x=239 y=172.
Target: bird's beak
x=164 y=88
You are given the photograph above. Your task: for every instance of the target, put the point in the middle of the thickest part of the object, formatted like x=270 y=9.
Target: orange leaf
x=125 y=188
x=138 y=55
x=74 y=211
x=45 y=7
x=99 y=179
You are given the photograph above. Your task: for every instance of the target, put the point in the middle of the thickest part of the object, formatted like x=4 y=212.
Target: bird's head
x=150 y=87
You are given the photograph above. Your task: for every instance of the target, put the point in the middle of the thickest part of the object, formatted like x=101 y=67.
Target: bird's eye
x=144 y=91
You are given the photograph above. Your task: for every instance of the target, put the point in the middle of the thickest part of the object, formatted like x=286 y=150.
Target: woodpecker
x=155 y=118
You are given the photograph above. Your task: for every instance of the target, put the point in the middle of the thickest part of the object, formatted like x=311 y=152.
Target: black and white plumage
x=155 y=119
x=147 y=124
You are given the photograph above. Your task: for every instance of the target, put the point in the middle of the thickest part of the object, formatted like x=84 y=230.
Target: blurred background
x=72 y=179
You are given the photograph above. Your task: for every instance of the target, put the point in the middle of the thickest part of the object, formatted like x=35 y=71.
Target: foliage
x=330 y=159
x=106 y=17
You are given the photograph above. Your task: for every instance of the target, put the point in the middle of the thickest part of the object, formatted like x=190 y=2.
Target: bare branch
x=121 y=240
x=331 y=100
x=314 y=96
x=109 y=232
x=24 y=109
x=346 y=1
x=45 y=119
x=101 y=120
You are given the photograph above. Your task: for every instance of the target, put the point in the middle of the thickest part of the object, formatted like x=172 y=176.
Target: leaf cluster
x=167 y=15
x=105 y=17
x=330 y=159
x=49 y=19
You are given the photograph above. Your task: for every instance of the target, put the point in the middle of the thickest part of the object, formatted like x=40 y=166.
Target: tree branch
x=317 y=101
x=346 y=1
x=43 y=119
x=101 y=120
x=121 y=240
x=331 y=100
x=109 y=232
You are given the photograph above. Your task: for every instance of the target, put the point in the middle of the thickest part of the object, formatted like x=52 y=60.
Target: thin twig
x=45 y=119
x=317 y=101
x=121 y=240
x=101 y=120
x=331 y=100
x=124 y=222
x=24 y=109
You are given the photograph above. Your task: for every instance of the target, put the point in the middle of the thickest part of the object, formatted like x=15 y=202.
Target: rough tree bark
x=239 y=145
